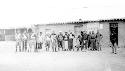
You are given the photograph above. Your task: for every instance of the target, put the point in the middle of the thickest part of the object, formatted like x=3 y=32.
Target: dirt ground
x=60 y=61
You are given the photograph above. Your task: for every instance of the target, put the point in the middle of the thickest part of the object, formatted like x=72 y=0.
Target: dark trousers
x=36 y=48
x=60 y=45
x=84 y=44
x=89 y=43
x=114 y=46
x=40 y=45
x=70 y=44
x=18 y=46
x=47 y=45
x=24 y=48
x=93 y=44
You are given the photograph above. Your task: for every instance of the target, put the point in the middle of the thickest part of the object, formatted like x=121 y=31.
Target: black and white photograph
x=62 y=35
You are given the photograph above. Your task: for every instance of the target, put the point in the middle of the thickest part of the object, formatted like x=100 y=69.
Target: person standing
x=66 y=38
x=48 y=41
x=22 y=42
x=93 y=41
x=28 y=42
x=98 y=39
x=60 y=41
x=85 y=41
x=18 y=41
x=114 y=43
x=75 y=42
x=80 y=41
x=37 y=42
x=25 y=38
x=89 y=40
x=70 y=44
x=21 y=39
x=29 y=39
x=54 y=42
x=32 y=43
x=40 y=40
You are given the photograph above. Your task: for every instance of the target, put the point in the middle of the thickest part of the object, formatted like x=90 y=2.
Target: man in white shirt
x=66 y=39
x=18 y=41
x=40 y=40
x=25 y=38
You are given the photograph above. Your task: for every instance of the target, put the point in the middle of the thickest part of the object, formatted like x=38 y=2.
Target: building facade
x=75 y=27
x=104 y=26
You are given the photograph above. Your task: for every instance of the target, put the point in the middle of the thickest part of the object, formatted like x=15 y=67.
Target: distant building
x=2 y=35
x=9 y=34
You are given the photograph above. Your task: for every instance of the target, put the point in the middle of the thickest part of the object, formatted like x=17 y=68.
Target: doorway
x=114 y=31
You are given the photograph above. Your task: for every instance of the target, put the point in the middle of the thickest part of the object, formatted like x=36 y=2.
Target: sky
x=24 y=13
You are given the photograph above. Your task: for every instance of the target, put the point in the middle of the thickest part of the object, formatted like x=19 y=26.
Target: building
x=9 y=34
x=104 y=26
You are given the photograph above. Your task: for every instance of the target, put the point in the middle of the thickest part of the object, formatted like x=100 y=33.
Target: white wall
x=105 y=32
x=57 y=28
x=106 y=37
x=121 y=34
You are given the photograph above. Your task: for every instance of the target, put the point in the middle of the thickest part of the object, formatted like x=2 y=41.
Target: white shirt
x=24 y=37
x=33 y=36
x=40 y=38
x=71 y=36
x=18 y=37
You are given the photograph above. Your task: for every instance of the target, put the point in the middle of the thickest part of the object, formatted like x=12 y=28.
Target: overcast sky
x=19 y=13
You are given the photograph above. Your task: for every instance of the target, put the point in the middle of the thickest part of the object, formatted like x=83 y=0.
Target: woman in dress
x=66 y=38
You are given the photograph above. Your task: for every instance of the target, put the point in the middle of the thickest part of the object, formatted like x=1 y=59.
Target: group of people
x=35 y=42
x=90 y=41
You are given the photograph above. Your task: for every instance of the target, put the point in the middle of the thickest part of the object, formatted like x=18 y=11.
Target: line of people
x=35 y=42
x=90 y=41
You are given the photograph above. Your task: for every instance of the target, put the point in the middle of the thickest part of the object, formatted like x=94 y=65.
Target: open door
x=114 y=31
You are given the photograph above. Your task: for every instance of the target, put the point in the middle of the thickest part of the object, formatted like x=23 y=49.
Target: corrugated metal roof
x=84 y=22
